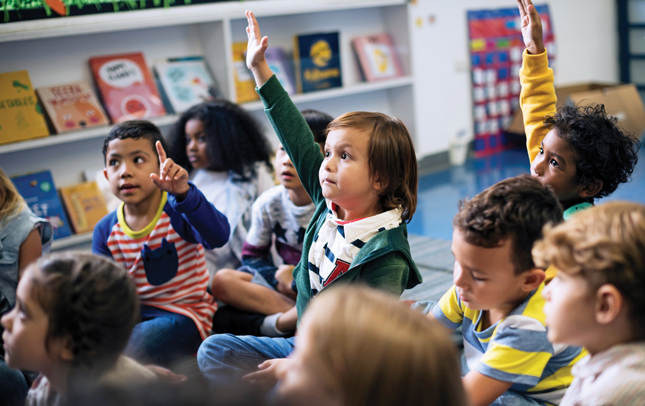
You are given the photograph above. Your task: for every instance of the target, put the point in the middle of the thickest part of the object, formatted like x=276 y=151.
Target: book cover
x=21 y=117
x=184 y=82
x=39 y=192
x=85 y=205
x=377 y=57
x=72 y=106
x=126 y=87
x=244 y=82
x=317 y=58
x=281 y=66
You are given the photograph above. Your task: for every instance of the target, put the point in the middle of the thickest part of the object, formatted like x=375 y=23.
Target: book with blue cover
x=39 y=192
x=317 y=58
x=185 y=82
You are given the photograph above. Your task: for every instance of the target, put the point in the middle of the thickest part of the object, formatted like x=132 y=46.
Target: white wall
x=587 y=50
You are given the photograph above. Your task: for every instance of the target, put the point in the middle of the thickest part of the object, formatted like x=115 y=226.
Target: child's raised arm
x=258 y=45
x=531 y=27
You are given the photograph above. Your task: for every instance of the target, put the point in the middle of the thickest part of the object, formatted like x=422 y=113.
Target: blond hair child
x=358 y=346
x=73 y=317
x=596 y=300
x=364 y=187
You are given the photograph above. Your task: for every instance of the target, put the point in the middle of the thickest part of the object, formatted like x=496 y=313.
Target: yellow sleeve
x=537 y=98
x=448 y=311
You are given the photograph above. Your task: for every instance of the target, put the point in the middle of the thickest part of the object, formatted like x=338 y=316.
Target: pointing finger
x=160 y=152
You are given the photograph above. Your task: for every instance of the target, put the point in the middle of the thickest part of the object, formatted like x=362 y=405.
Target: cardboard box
x=622 y=101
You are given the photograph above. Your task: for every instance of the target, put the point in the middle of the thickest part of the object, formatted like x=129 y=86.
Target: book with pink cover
x=127 y=88
x=377 y=57
x=72 y=106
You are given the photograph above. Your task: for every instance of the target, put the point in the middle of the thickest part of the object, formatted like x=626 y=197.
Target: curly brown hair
x=603 y=245
x=90 y=299
x=391 y=157
x=515 y=209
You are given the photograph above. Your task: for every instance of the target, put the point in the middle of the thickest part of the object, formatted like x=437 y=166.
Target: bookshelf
x=56 y=51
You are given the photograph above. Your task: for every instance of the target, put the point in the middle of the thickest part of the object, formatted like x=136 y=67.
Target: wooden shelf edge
x=189 y=14
x=80 y=135
x=72 y=240
x=359 y=88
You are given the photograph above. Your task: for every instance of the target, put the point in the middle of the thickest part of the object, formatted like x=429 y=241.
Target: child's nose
x=458 y=275
x=6 y=321
x=537 y=166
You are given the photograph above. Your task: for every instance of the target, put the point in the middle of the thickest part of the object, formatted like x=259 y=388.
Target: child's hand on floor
x=255 y=59
x=173 y=178
x=531 y=27
x=284 y=276
x=269 y=373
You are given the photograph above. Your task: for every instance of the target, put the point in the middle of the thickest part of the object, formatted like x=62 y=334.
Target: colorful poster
x=496 y=47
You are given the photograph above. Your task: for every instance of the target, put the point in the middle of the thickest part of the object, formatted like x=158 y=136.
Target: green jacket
x=384 y=262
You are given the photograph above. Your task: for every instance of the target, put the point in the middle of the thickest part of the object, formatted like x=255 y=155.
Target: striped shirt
x=338 y=242
x=613 y=377
x=515 y=349
x=166 y=258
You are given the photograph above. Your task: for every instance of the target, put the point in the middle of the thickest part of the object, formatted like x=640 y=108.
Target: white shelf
x=72 y=240
x=339 y=92
x=96 y=132
x=191 y=14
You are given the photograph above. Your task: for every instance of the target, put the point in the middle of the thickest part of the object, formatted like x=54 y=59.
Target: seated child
x=497 y=297
x=579 y=152
x=284 y=212
x=159 y=234
x=334 y=362
x=364 y=187
x=596 y=301
x=229 y=160
x=73 y=316
x=23 y=238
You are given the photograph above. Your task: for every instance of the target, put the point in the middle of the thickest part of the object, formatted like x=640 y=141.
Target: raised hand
x=172 y=178
x=257 y=45
x=531 y=27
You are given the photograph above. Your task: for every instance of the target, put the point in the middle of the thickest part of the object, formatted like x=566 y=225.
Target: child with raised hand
x=596 y=300
x=259 y=288
x=158 y=234
x=73 y=316
x=497 y=298
x=229 y=160
x=579 y=152
x=335 y=361
x=364 y=188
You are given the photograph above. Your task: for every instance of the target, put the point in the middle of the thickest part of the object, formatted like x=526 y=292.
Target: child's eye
x=112 y=162
x=541 y=151
x=138 y=160
x=327 y=154
x=281 y=149
x=554 y=163
x=478 y=279
x=202 y=139
x=344 y=155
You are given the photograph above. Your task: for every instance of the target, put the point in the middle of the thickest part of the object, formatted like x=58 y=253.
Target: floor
x=439 y=193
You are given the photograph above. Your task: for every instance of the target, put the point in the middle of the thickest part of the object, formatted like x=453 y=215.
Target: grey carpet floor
x=435 y=262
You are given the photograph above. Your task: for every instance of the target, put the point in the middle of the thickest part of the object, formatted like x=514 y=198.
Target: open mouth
x=193 y=158
x=287 y=175
x=127 y=187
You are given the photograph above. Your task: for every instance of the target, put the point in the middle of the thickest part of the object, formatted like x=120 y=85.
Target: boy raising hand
x=158 y=234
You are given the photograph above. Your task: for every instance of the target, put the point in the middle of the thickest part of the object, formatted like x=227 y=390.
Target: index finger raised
x=161 y=152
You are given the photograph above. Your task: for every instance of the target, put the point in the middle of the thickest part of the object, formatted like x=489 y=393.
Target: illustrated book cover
x=85 y=205
x=317 y=59
x=185 y=82
x=377 y=57
x=244 y=82
x=282 y=66
x=21 y=117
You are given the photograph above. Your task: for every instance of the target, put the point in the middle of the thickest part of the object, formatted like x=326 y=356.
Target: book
x=72 y=106
x=39 y=192
x=377 y=57
x=21 y=116
x=85 y=205
x=244 y=82
x=281 y=66
x=126 y=87
x=317 y=59
x=185 y=82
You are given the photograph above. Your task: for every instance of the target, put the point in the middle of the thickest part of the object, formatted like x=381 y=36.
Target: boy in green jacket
x=365 y=190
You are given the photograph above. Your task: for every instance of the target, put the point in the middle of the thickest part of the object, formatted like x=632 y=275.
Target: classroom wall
x=587 y=50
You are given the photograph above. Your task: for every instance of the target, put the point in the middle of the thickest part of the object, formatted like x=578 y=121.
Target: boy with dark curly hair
x=579 y=152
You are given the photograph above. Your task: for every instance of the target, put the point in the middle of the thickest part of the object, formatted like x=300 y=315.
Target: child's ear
x=378 y=184
x=62 y=347
x=105 y=173
x=533 y=279
x=609 y=304
x=591 y=189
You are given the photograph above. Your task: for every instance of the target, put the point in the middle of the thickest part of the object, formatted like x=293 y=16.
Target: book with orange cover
x=72 y=106
x=21 y=117
x=244 y=82
x=127 y=88
x=84 y=204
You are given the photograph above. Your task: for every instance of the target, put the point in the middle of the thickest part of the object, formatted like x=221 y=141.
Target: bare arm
x=482 y=390
x=30 y=250
x=440 y=326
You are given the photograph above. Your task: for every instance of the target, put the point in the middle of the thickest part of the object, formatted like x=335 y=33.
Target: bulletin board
x=496 y=47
